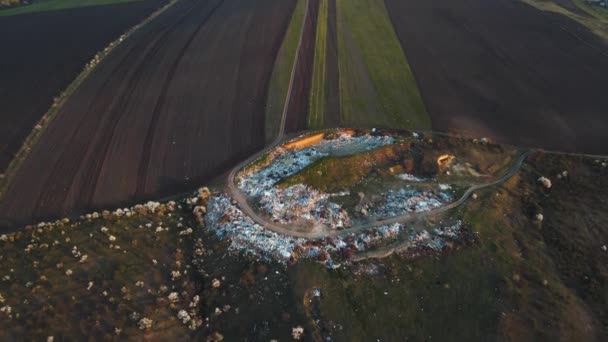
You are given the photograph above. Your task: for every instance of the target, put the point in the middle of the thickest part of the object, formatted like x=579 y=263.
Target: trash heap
x=228 y=222
x=288 y=162
x=405 y=200
x=299 y=201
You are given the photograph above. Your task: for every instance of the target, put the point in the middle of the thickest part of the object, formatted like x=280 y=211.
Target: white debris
x=215 y=283
x=228 y=222
x=539 y=217
x=112 y=238
x=408 y=177
x=90 y=285
x=301 y=202
x=68 y=272
x=546 y=182
x=3 y=238
x=144 y=324
x=289 y=162
x=604 y=248
x=173 y=297
x=183 y=316
x=297 y=332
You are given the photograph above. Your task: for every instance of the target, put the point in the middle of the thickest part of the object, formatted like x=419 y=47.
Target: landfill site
x=331 y=195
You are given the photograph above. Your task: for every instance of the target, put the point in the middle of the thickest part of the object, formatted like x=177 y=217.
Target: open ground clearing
x=540 y=82
x=166 y=110
x=43 y=52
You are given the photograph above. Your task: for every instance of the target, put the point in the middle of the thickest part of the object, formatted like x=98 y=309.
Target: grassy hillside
x=377 y=87
x=53 y=5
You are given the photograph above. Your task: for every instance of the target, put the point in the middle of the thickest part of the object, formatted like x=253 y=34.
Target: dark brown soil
x=174 y=106
x=43 y=52
x=506 y=70
x=297 y=110
x=332 y=84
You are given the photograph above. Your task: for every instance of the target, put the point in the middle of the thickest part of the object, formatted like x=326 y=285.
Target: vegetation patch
x=338 y=173
x=316 y=111
x=377 y=87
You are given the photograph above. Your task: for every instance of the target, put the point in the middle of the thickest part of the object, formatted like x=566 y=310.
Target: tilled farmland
x=175 y=105
x=507 y=70
x=43 y=52
x=297 y=109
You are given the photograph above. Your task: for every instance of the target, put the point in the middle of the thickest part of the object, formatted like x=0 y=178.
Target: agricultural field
x=54 y=5
x=376 y=85
x=360 y=75
x=44 y=51
x=166 y=110
x=539 y=83
x=299 y=100
x=279 y=82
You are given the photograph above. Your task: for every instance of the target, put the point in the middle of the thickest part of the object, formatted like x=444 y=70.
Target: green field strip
x=317 y=91
x=600 y=13
x=281 y=73
x=595 y=19
x=54 y=5
x=377 y=87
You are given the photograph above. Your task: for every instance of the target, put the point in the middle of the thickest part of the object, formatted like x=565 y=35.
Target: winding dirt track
x=318 y=232
x=504 y=69
x=175 y=105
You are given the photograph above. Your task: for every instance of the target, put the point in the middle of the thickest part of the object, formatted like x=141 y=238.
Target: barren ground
x=507 y=70
x=172 y=107
x=43 y=52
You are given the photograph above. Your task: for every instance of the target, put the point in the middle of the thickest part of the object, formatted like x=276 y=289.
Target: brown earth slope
x=175 y=105
x=504 y=69
x=43 y=52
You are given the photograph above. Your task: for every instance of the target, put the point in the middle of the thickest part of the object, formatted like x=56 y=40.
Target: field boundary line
x=59 y=101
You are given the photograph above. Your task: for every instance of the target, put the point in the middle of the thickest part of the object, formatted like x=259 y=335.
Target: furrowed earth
x=540 y=82
x=146 y=121
x=44 y=51
x=161 y=271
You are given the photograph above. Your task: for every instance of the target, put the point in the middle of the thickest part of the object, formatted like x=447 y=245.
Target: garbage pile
x=288 y=162
x=404 y=200
x=299 y=201
x=228 y=222
x=302 y=202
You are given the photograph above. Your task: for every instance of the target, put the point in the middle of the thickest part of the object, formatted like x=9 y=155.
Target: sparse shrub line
x=60 y=100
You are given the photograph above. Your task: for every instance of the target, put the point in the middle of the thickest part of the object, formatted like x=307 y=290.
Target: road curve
x=323 y=231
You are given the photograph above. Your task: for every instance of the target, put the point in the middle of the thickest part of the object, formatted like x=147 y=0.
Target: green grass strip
x=317 y=91
x=53 y=5
x=377 y=87
x=281 y=73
